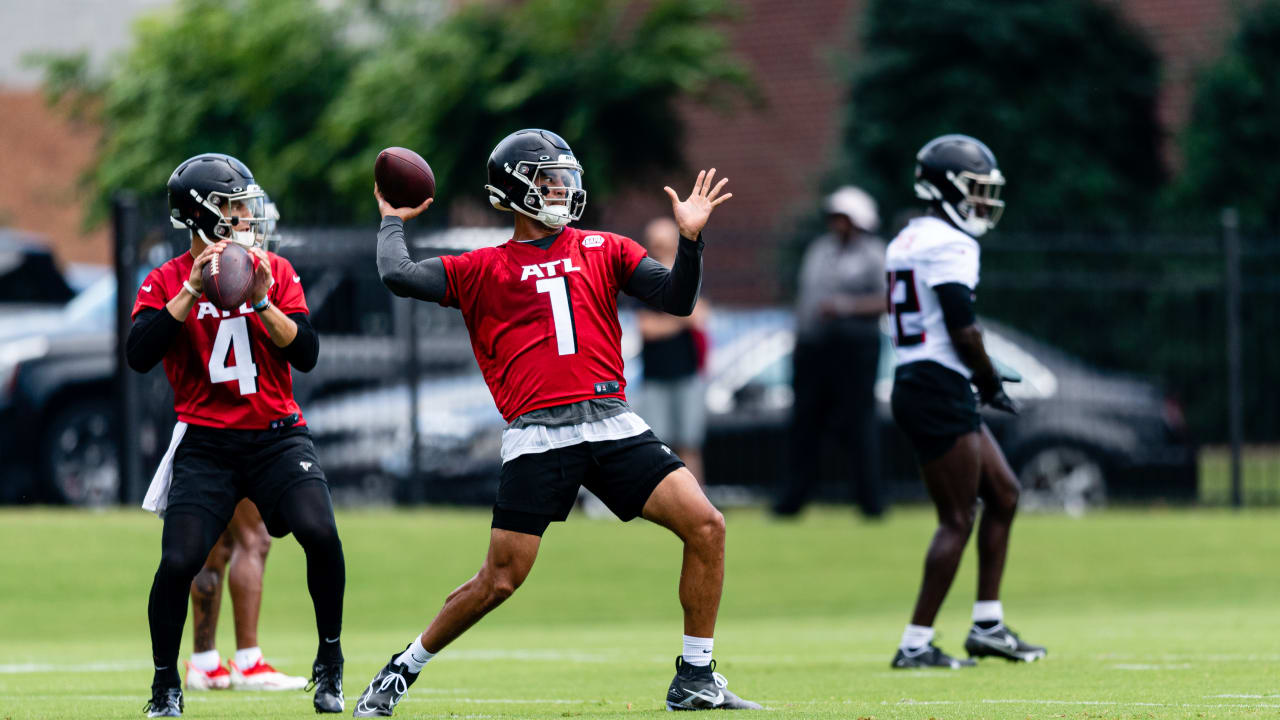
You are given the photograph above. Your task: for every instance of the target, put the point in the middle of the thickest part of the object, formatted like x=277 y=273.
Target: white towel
x=157 y=499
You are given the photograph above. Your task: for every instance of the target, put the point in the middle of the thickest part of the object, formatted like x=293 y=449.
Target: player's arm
x=956 y=300
x=673 y=291
x=425 y=280
x=292 y=332
x=153 y=331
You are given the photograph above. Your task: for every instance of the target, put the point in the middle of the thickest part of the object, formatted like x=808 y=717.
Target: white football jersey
x=927 y=253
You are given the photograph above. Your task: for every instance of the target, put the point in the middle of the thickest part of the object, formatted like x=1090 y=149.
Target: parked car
x=1084 y=435
x=29 y=277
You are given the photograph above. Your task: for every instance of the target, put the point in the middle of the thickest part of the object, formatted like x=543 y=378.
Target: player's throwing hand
x=197 y=268
x=692 y=214
x=262 y=278
x=385 y=208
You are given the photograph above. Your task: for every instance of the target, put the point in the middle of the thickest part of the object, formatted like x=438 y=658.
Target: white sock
x=206 y=661
x=915 y=637
x=248 y=657
x=697 y=650
x=415 y=656
x=988 y=611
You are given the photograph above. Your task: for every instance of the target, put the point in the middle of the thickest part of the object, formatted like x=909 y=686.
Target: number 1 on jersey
x=233 y=334
x=557 y=288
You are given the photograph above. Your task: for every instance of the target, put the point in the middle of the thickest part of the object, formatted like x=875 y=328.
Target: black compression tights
x=188 y=537
x=307 y=510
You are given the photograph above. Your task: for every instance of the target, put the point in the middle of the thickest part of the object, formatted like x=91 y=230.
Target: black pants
x=834 y=384
x=213 y=469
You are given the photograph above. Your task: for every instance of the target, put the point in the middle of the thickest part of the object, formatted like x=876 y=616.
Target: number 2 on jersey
x=557 y=289
x=233 y=334
x=903 y=300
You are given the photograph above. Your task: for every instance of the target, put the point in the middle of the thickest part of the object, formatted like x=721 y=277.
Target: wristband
x=264 y=305
x=186 y=285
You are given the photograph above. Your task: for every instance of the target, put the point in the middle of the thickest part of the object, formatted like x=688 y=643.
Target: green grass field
x=1169 y=613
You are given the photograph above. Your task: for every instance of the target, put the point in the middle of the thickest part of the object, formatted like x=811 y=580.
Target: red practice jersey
x=223 y=367
x=544 y=323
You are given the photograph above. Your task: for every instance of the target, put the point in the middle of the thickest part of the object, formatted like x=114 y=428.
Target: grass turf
x=1166 y=613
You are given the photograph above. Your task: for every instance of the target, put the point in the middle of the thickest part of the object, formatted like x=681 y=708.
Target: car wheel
x=1063 y=478
x=80 y=457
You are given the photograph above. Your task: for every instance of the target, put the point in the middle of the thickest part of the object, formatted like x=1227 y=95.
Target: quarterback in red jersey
x=543 y=317
x=240 y=433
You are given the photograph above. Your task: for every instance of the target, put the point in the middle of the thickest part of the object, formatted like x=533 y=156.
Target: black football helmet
x=533 y=172
x=959 y=174
x=204 y=189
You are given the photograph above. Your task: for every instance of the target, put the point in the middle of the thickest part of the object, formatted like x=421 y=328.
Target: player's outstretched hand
x=1000 y=401
x=691 y=215
x=262 y=278
x=197 y=268
x=385 y=208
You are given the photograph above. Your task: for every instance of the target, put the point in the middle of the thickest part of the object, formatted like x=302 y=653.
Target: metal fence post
x=125 y=234
x=1235 y=399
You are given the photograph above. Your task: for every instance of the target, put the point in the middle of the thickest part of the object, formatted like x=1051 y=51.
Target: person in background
x=673 y=398
x=841 y=299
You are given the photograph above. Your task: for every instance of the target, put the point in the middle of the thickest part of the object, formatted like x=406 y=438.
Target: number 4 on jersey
x=233 y=334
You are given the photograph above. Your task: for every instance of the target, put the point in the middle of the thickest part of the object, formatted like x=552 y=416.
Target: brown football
x=228 y=277
x=403 y=177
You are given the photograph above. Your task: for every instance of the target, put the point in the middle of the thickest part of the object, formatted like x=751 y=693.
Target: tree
x=1064 y=93
x=604 y=77
x=1230 y=141
x=280 y=84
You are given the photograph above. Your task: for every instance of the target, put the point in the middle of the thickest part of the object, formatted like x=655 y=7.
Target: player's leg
x=999 y=490
x=202 y=499
x=534 y=490
x=679 y=504
x=952 y=482
x=506 y=565
x=249 y=669
x=205 y=670
x=188 y=536
x=288 y=486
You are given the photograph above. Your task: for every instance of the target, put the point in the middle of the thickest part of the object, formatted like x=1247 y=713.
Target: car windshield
x=93 y=306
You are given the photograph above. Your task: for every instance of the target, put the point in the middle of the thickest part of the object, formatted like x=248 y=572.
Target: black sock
x=986 y=624
x=185 y=542
x=309 y=513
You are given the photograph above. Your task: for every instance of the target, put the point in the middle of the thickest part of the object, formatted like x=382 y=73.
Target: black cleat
x=326 y=678
x=1000 y=641
x=386 y=689
x=164 y=702
x=929 y=656
x=701 y=688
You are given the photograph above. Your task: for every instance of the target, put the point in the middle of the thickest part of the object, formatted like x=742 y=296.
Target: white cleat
x=264 y=677
x=197 y=679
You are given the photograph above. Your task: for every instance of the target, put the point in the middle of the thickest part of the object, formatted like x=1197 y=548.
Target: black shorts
x=933 y=405
x=213 y=468
x=538 y=489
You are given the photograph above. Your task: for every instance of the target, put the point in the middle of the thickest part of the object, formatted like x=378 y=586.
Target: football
x=228 y=277
x=403 y=177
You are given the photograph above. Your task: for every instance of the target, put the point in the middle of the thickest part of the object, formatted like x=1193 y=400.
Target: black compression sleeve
x=401 y=275
x=672 y=291
x=957 y=305
x=303 y=352
x=150 y=337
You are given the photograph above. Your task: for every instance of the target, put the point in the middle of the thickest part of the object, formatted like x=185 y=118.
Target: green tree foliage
x=599 y=73
x=1063 y=91
x=307 y=96
x=251 y=78
x=1231 y=139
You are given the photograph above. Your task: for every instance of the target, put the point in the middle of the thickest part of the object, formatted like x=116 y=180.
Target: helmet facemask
x=554 y=195
x=242 y=217
x=973 y=204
